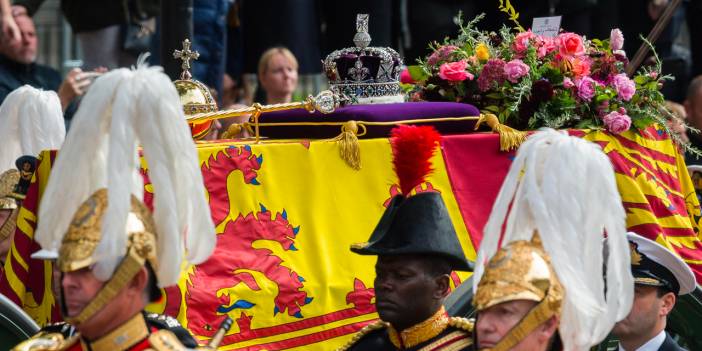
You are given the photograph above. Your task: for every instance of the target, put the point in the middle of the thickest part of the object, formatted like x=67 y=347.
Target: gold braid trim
x=461 y=341
x=361 y=333
x=462 y=323
x=421 y=332
x=130 y=266
x=349 y=151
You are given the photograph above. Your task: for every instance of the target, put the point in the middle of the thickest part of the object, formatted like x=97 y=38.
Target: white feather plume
x=32 y=121
x=564 y=188
x=125 y=108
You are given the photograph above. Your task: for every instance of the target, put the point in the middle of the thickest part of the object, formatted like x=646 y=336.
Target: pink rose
x=586 y=88
x=617 y=121
x=581 y=66
x=624 y=86
x=544 y=46
x=521 y=41
x=570 y=44
x=455 y=71
x=616 y=39
x=515 y=69
x=568 y=83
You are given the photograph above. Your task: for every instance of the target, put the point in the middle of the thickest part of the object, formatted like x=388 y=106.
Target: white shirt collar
x=652 y=345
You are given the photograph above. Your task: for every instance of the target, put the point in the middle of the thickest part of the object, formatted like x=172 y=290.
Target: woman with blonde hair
x=277 y=72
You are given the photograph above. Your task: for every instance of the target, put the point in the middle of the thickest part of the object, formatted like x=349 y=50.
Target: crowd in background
x=270 y=51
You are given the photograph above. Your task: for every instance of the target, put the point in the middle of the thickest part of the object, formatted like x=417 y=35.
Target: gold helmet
x=194 y=95
x=521 y=270
x=84 y=234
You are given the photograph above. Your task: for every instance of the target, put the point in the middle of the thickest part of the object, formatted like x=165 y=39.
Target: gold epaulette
x=361 y=333
x=462 y=323
x=163 y=340
x=46 y=342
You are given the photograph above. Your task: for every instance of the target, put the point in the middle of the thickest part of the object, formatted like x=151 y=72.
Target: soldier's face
x=79 y=288
x=405 y=294
x=495 y=322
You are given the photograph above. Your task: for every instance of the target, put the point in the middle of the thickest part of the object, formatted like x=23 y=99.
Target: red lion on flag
x=206 y=298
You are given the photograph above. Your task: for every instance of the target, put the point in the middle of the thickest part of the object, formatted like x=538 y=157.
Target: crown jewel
x=365 y=74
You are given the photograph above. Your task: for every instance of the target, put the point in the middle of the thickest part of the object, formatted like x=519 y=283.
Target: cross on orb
x=186 y=55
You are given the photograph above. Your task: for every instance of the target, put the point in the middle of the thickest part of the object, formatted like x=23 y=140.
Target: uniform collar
x=122 y=338
x=651 y=345
x=421 y=332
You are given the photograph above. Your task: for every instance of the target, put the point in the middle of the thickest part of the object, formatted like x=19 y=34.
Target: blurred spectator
x=18 y=67
x=231 y=92
x=693 y=109
x=209 y=39
x=677 y=122
x=10 y=31
x=277 y=72
x=107 y=30
x=294 y=24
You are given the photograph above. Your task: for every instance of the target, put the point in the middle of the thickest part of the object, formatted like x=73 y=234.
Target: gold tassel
x=233 y=131
x=510 y=138
x=349 y=150
x=238 y=130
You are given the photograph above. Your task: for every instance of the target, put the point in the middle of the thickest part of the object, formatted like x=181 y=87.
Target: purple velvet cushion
x=370 y=113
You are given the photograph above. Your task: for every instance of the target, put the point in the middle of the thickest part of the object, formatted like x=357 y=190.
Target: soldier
x=31 y=121
x=539 y=276
x=417 y=249
x=113 y=254
x=660 y=277
x=13 y=188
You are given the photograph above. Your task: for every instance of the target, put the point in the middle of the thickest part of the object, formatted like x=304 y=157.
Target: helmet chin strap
x=125 y=272
x=539 y=314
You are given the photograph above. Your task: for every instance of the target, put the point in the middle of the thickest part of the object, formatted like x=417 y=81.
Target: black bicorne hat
x=418 y=224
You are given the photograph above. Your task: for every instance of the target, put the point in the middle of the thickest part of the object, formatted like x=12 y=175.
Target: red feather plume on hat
x=412 y=150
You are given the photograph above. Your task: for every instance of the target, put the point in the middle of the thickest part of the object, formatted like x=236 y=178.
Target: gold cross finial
x=186 y=55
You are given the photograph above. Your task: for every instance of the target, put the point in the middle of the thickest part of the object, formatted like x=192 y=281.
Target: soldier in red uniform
x=113 y=254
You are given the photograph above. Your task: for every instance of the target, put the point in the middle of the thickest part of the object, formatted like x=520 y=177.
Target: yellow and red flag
x=287 y=211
